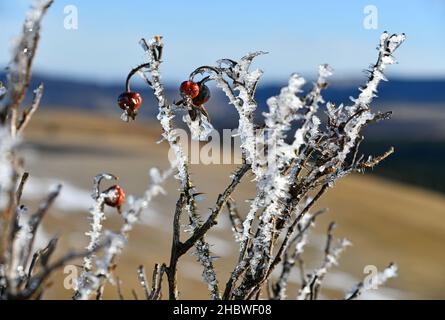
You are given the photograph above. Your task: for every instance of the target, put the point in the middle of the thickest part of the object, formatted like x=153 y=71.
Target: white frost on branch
x=374 y=282
x=381 y=277
x=136 y=207
x=165 y=115
x=200 y=128
x=307 y=133
x=97 y=217
x=208 y=273
x=11 y=95
x=23 y=51
x=115 y=245
x=245 y=82
x=388 y=44
x=153 y=49
x=92 y=281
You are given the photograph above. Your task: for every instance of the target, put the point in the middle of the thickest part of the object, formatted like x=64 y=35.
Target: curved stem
x=204 y=69
x=132 y=73
x=204 y=80
x=98 y=179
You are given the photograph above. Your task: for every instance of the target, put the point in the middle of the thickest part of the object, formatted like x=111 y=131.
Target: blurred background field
x=394 y=213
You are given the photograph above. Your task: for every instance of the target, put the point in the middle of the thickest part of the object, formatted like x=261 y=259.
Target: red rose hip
x=203 y=96
x=129 y=99
x=190 y=89
x=116 y=196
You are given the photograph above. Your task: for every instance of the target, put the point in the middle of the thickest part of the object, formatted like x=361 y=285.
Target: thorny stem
x=222 y=199
x=165 y=112
x=187 y=195
x=157 y=284
x=174 y=254
x=178 y=248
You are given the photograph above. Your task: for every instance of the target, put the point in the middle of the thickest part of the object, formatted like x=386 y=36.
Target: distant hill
x=418 y=105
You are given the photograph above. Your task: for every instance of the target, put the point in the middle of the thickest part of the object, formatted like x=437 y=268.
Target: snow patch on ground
x=71 y=198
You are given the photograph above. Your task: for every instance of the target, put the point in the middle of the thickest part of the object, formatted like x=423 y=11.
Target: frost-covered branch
x=23 y=276
x=97 y=270
x=220 y=202
x=374 y=282
x=153 y=49
x=23 y=273
x=28 y=113
x=150 y=73
x=11 y=97
x=97 y=216
x=19 y=70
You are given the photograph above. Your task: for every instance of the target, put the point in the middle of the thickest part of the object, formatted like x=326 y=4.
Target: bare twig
x=28 y=113
x=372 y=162
x=143 y=281
x=19 y=192
x=119 y=289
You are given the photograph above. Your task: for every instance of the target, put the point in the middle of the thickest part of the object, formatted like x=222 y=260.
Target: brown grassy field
x=386 y=221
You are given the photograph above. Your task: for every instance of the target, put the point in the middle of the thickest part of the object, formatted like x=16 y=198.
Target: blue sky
x=298 y=35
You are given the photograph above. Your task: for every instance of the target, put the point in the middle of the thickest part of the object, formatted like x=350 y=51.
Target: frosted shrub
x=290 y=173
